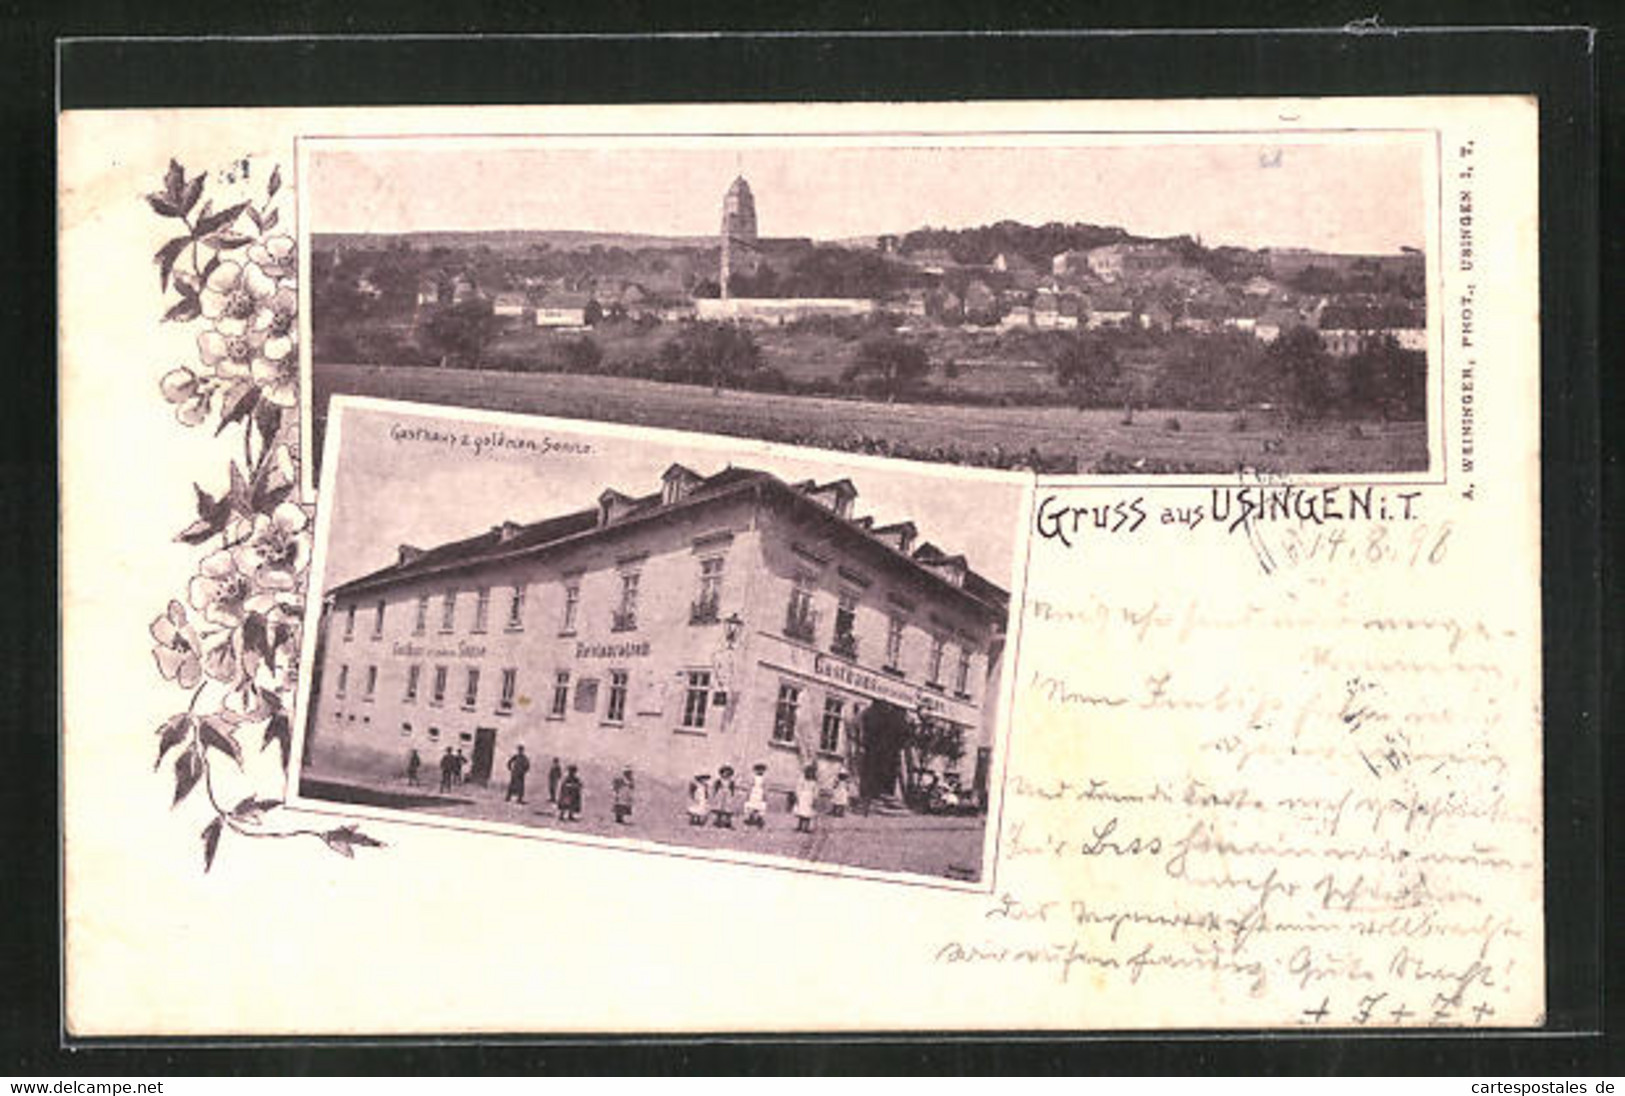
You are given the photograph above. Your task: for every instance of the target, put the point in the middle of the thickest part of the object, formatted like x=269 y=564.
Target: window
x=935 y=675
x=894 y=642
x=800 y=622
x=709 y=602
x=349 y=623
x=962 y=675
x=616 y=712
x=372 y=682
x=344 y=681
x=561 y=694
x=626 y=617
x=406 y=730
x=516 y=607
x=448 y=610
x=421 y=625
x=572 y=602
x=482 y=609
x=413 y=673
x=510 y=685
x=845 y=641
x=378 y=621
x=434 y=734
x=784 y=713
x=829 y=734
x=697 y=699
x=846 y=614
x=439 y=695
x=471 y=691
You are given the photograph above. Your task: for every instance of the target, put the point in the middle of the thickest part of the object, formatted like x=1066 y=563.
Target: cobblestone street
x=929 y=845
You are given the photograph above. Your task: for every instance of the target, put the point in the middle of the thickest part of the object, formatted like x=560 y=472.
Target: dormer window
x=675 y=484
x=611 y=505
x=900 y=536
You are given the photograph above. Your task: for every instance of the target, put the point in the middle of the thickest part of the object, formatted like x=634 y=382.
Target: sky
x=387 y=492
x=1355 y=193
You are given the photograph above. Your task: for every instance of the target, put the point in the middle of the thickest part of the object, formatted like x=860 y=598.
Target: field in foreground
x=1065 y=439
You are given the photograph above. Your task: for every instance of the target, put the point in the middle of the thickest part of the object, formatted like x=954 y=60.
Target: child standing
x=623 y=797
x=840 y=795
x=756 y=801
x=806 y=794
x=722 y=799
x=570 y=795
x=699 y=794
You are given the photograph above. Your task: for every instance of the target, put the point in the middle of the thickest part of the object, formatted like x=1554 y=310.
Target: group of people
x=717 y=799
x=712 y=799
x=564 y=788
x=452 y=765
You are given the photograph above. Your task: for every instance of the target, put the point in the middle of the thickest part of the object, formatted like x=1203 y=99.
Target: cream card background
x=444 y=931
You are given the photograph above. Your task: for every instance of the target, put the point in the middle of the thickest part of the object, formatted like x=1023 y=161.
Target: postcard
x=968 y=567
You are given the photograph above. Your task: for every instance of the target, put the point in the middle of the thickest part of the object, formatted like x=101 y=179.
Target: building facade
x=724 y=620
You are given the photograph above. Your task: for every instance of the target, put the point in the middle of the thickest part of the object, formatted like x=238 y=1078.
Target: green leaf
x=188 y=771
x=175 y=182
x=239 y=410
x=214 y=222
x=171 y=733
x=274 y=183
x=222 y=740
x=240 y=496
x=192 y=192
x=344 y=839
x=280 y=731
x=255 y=637
x=211 y=841
x=166 y=256
x=268 y=417
x=187 y=308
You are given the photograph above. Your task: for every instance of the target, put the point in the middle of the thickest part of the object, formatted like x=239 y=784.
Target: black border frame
x=1561 y=66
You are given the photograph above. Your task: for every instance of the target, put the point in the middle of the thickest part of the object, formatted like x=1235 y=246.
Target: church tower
x=738 y=233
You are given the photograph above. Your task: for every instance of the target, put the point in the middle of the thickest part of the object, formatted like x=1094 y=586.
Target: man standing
x=414 y=763
x=555 y=773
x=448 y=766
x=518 y=766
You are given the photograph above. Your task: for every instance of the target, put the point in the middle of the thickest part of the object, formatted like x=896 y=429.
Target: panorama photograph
x=1190 y=306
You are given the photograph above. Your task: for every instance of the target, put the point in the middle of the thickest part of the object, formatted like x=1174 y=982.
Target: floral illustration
x=232 y=643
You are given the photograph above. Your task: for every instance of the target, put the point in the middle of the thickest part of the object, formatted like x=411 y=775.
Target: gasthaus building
x=732 y=619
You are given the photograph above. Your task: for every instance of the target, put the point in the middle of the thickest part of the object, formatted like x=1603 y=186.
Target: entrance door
x=884 y=731
x=485 y=748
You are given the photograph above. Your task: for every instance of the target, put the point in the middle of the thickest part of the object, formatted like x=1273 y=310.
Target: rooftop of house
x=617 y=511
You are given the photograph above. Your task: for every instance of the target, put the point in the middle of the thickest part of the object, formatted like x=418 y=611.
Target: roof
x=582 y=525
x=564 y=300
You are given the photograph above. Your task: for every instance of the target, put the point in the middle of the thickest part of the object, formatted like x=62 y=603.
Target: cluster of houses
x=1133 y=286
x=558 y=305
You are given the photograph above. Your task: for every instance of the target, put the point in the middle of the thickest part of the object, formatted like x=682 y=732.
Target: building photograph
x=631 y=635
